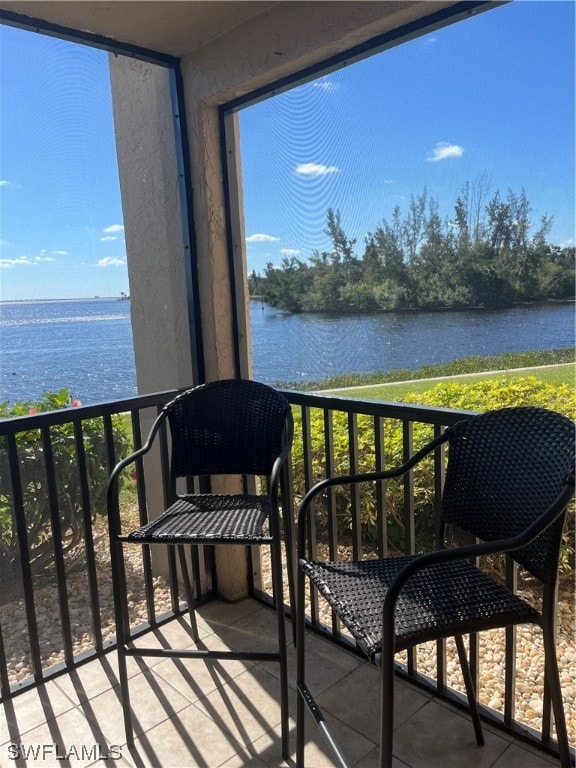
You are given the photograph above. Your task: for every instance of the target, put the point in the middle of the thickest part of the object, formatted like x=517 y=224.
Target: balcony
x=58 y=679
x=200 y=714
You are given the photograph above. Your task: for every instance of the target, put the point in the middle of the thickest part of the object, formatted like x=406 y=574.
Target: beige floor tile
x=519 y=756
x=325 y=663
x=31 y=709
x=189 y=740
x=438 y=737
x=355 y=699
x=68 y=740
x=195 y=678
x=247 y=707
x=257 y=631
x=372 y=760
x=317 y=753
x=152 y=701
x=217 y=614
x=264 y=751
x=177 y=633
x=90 y=679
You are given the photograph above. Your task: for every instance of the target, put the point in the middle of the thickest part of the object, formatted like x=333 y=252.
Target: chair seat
x=454 y=596
x=210 y=519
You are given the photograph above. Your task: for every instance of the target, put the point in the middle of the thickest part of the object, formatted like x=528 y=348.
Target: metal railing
x=56 y=604
x=333 y=435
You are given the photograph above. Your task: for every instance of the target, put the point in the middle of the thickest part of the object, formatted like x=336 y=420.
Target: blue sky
x=489 y=97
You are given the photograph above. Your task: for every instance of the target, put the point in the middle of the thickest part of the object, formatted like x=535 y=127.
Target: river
x=86 y=345
x=309 y=347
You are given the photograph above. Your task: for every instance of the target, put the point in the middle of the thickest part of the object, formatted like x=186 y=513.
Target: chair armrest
x=283 y=455
x=111 y=497
x=363 y=477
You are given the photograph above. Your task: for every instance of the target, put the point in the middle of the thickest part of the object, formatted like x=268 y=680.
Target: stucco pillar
x=155 y=253
x=215 y=298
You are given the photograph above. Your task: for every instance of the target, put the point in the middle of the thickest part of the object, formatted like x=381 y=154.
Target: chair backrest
x=505 y=468
x=233 y=426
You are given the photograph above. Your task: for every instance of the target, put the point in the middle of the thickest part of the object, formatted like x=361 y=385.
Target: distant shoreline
x=79 y=298
x=408 y=310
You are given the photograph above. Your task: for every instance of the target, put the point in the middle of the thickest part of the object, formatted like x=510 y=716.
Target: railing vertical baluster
x=439 y=475
x=546 y=731
x=409 y=525
x=510 y=650
x=172 y=567
x=143 y=517
x=4 y=680
x=355 y=490
x=475 y=660
x=332 y=521
x=111 y=458
x=380 y=490
x=409 y=522
x=24 y=550
x=328 y=472
x=307 y=449
x=56 y=528
x=89 y=536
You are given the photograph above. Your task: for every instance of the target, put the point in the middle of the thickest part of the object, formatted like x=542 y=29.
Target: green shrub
x=34 y=482
x=480 y=396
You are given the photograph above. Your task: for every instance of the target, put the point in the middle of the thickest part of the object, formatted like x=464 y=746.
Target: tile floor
x=226 y=715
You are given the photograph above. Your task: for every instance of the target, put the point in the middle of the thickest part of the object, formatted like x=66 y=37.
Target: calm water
x=86 y=345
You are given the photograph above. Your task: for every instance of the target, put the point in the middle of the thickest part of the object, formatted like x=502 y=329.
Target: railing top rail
x=81 y=413
x=422 y=413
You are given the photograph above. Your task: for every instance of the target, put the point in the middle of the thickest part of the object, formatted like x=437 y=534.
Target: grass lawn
x=396 y=391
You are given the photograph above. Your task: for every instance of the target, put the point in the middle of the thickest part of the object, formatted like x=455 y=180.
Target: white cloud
x=4 y=183
x=567 y=243
x=114 y=228
x=24 y=261
x=444 y=151
x=11 y=263
x=289 y=251
x=108 y=237
x=60 y=253
x=316 y=169
x=110 y=262
x=261 y=238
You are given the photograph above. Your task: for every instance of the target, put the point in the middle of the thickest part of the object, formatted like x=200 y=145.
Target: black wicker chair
x=509 y=478
x=231 y=427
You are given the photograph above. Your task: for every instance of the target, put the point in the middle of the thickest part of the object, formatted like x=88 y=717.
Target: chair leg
x=122 y=633
x=125 y=696
x=470 y=690
x=387 y=694
x=552 y=682
x=277 y=588
x=189 y=591
x=289 y=539
x=300 y=670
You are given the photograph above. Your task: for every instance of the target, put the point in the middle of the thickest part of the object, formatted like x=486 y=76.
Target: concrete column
x=153 y=230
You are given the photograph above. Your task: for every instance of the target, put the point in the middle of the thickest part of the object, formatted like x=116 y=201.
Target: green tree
x=484 y=256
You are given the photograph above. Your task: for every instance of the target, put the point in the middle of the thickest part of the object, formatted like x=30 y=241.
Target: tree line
x=483 y=256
